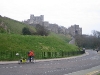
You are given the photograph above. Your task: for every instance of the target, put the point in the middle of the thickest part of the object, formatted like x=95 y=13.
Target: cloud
x=85 y=13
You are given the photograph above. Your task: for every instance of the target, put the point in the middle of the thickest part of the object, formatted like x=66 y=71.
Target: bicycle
x=24 y=60
x=32 y=59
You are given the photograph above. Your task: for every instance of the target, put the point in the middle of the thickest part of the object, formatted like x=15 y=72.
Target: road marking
x=12 y=67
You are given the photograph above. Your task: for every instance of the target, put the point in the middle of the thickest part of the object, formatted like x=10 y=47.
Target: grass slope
x=16 y=42
x=63 y=37
x=53 y=42
x=12 y=42
x=14 y=26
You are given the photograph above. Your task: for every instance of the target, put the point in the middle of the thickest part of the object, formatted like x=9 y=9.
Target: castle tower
x=31 y=17
x=75 y=30
x=42 y=17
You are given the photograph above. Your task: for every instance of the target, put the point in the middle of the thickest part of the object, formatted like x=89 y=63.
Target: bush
x=2 y=30
x=26 y=31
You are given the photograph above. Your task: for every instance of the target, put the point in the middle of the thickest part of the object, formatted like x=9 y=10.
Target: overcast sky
x=85 y=13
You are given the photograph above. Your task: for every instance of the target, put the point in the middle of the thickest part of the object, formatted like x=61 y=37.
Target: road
x=55 y=67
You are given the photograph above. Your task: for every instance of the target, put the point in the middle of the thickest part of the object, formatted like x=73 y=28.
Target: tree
x=96 y=40
x=96 y=33
x=26 y=31
x=88 y=41
x=41 y=30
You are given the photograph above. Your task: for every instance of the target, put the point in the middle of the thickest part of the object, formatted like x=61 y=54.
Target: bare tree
x=88 y=41
x=41 y=30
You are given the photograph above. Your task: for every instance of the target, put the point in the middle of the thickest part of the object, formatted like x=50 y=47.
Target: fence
x=6 y=55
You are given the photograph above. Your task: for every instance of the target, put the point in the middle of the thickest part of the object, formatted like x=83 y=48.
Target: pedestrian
x=31 y=55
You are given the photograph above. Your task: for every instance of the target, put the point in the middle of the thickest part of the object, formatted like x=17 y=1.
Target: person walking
x=31 y=55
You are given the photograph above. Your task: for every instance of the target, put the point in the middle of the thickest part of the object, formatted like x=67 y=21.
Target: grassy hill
x=63 y=37
x=15 y=42
x=13 y=25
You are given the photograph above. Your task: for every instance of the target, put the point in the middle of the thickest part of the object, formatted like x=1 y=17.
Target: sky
x=85 y=13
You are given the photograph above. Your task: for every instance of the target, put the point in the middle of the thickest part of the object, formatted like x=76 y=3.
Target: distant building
x=53 y=28
x=74 y=30
x=46 y=23
x=35 y=20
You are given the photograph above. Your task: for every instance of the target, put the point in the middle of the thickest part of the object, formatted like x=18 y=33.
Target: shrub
x=26 y=31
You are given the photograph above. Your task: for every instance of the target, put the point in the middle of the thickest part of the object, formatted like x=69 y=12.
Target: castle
x=73 y=30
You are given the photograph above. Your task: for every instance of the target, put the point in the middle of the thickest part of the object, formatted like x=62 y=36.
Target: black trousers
x=30 y=58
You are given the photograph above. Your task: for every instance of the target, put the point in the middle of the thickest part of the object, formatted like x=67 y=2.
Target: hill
x=13 y=26
x=12 y=41
x=16 y=42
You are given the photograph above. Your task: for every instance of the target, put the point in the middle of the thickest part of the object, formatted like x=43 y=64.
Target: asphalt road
x=55 y=67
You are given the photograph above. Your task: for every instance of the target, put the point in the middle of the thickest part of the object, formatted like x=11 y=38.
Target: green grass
x=63 y=37
x=15 y=42
x=14 y=26
x=10 y=44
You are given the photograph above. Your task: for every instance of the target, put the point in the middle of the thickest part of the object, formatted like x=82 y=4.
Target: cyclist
x=31 y=55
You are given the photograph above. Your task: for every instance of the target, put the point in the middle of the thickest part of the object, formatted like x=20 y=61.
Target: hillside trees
x=41 y=30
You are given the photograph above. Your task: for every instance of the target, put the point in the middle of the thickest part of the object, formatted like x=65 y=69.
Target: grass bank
x=13 y=42
x=14 y=26
x=43 y=46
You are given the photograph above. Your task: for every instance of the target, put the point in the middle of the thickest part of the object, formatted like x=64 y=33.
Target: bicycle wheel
x=19 y=61
x=33 y=59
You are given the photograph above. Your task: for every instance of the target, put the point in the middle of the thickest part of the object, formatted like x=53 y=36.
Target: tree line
x=89 y=41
